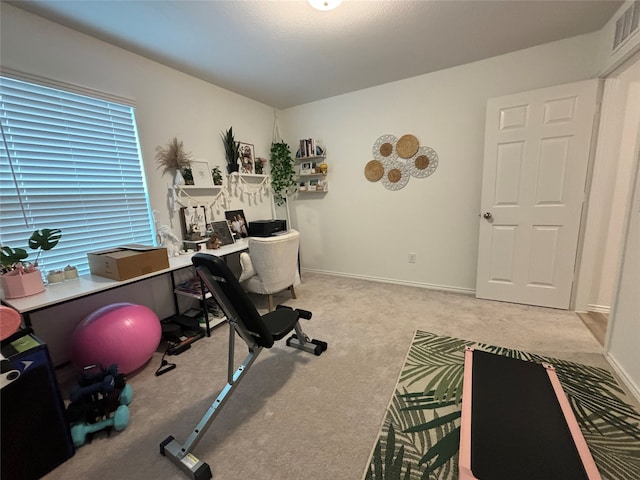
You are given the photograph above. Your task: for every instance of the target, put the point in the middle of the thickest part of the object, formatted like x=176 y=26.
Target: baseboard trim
x=622 y=373
x=445 y=288
x=599 y=309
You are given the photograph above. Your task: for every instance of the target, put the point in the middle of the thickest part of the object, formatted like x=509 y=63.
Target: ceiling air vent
x=626 y=24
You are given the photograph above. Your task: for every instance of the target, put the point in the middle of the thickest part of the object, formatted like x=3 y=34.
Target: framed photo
x=247 y=157
x=237 y=223
x=193 y=221
x=221 y=229
x=306 y=168
x=201 y=173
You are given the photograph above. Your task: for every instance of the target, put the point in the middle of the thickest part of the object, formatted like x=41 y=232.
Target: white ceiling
x=284 y=53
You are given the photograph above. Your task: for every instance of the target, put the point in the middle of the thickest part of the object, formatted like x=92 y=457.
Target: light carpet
x=421 y=432
x=296 y=416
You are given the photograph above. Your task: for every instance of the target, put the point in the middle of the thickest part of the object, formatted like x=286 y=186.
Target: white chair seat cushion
x=247 y=267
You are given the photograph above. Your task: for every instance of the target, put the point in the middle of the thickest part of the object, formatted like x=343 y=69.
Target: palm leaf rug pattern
x=420 y=436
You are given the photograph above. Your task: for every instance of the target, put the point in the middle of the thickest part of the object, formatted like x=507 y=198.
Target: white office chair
x=271 y=265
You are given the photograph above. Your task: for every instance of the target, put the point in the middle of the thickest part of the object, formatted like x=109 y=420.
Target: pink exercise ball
x=122 y=333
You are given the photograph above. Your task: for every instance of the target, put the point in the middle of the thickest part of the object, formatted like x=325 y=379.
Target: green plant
x=217 y=175
x=283 y=180
x=231 y=147
x=173 y=157
x=40 y=240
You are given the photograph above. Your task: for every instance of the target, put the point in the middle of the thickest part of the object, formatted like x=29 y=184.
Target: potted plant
x=174 y=159
x=20 y=278
x=283 y=180
x=217 y=175
x=231 y=150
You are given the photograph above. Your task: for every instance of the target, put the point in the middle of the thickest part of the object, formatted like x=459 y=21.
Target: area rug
x=420 y=435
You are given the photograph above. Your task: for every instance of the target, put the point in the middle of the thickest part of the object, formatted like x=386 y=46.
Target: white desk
x=86 y=285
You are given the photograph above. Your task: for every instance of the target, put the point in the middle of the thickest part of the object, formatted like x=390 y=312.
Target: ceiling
x=284 y=53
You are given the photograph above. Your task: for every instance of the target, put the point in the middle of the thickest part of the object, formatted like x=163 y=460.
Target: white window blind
x=71 y=162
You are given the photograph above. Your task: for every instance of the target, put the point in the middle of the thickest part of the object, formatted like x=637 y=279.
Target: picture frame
x=221 y=229
x=237 y=223
x=201 y=173
x=247 y=158
x=306 y=168
x=193 y=221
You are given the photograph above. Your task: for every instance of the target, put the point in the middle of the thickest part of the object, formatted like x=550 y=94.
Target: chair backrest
x=235 y=303
x=275 y=259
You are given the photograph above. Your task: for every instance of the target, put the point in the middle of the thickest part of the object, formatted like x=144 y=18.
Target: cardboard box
x=128 y=261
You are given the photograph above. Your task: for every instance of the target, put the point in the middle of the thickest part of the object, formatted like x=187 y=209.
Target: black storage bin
x=35 y=434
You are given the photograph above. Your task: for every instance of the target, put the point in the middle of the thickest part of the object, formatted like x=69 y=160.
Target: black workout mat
x=518 y=429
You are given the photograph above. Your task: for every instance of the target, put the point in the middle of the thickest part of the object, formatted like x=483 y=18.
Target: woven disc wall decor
x=407 y=146
x=374 y=170
x=396 y=175
x=423 y=163
x=384 y=148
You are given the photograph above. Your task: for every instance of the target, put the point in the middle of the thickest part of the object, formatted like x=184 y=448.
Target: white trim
x=598 y=309
x=626 y=379
x=446 y=288
x=69 y=87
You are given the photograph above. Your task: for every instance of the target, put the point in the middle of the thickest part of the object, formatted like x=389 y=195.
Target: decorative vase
x=70 y=272
x=233 y=167
x=16 y=284
x=56 y=276
x=178 y=179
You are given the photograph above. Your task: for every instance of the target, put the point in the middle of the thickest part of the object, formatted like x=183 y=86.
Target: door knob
x=488 y=215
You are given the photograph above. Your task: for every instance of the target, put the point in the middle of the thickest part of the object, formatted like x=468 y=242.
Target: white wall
x=362 y=229
x=168 y=104
x=623 y=336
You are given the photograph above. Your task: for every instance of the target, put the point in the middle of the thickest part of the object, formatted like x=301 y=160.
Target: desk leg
x=205 y=311
x=173 y=291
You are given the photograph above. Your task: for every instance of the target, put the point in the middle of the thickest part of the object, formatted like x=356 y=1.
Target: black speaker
x=35 y=436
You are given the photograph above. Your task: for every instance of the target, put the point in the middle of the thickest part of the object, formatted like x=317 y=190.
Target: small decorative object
x=70 y=272
x=201 y=175
x=214 y=242
x=246 y=157
x=216 y=174
x=173 y=158
x=169 y=241
x=324 y=168
x=55 y=276
x=231 y=150
x=187 y=174
x=259 y=165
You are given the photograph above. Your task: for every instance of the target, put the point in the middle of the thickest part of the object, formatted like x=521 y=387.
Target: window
x=71 y=162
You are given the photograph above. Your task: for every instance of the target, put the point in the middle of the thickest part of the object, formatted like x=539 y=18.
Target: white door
x=533 y=186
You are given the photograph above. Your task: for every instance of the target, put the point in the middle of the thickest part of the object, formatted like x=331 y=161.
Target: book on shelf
x=310 y=147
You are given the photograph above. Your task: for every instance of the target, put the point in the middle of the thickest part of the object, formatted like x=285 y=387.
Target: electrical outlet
x=412 y=258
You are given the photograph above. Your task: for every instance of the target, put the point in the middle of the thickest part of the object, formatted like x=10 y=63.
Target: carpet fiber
x=420 y=435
